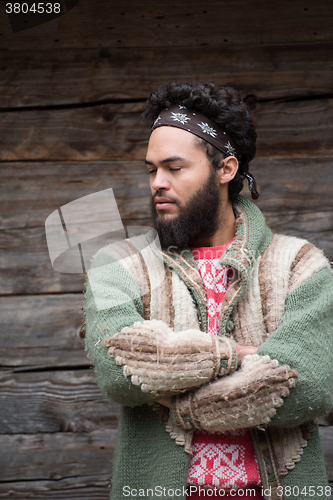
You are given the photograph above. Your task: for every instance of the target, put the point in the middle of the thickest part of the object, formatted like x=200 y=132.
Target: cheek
x=192 y=181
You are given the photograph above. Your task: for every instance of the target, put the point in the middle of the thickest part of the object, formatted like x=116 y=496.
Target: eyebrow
x=167 y=160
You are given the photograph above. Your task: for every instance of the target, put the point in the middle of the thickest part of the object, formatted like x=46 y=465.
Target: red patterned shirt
x=226 y=460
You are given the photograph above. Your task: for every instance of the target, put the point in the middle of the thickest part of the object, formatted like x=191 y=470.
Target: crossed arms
x=145 y=362
x=189 y=365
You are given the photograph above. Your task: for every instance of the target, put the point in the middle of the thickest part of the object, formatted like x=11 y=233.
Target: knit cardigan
x=281 y=300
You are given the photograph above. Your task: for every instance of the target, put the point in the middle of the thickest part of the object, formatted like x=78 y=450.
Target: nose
x=159 y=180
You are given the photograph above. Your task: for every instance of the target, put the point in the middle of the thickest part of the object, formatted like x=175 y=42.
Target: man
x=220 y=370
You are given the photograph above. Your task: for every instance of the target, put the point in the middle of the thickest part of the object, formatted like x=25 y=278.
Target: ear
x=229 y=169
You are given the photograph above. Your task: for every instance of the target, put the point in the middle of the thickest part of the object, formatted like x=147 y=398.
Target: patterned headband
x=199 y=125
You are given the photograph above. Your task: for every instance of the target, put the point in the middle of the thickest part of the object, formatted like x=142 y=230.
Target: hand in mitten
x=246 y=398
x=163 y=361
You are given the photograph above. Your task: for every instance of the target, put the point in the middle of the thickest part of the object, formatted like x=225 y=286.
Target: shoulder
x=119 y=265
x=295 y=257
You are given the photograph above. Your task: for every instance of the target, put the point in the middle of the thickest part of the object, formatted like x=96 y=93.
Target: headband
x=199 y=125
x=180 y=117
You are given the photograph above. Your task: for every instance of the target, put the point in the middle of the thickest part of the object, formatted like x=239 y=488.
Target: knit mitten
x=165 y=362
x=246 y=398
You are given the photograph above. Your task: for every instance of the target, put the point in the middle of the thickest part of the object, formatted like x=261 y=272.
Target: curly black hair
x=225 y=107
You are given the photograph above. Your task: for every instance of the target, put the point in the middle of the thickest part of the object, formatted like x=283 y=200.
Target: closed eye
x=170 y=169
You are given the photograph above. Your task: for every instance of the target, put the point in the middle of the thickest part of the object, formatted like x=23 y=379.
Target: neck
x=225 y=231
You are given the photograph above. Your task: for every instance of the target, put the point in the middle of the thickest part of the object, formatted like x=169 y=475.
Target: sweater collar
x=251 y=239
x=252 y=236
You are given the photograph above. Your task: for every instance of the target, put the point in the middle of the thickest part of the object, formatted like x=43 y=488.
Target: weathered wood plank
x=314 y=226
x=296 y=128
x=326 y=435
x=26 y=266
x=114 y=131
x=44 y=78
x=42 y=331
x=109 y=131
x=30 y=192
x=294 y=184
x=155 y=24
x=54 y=401
x=64 y=489
x=58 y=456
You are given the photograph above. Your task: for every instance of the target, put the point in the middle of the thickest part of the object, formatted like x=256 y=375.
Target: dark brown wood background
x=72 y=92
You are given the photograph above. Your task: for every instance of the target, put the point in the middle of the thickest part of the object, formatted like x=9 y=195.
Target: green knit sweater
x=148 y=462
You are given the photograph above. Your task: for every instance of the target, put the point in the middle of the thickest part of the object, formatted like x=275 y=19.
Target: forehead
x=166 y=140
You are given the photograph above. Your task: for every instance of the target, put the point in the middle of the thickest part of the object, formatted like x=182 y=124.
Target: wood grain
x=313 y=226
x=296 y=128
x=26 y=267
x=134 y=23
x=326 y=435
x=54 y=401
x=50 y=78
x=31 y=191
x=57 y=456
x=294 y=184
x=115 y=131
x=109 y=131
x=42 y=331
x=70 y=488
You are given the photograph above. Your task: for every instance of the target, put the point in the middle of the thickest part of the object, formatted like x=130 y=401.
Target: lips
x=163 y=203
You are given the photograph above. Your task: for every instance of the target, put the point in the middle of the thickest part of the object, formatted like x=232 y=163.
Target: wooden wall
x=72 y=92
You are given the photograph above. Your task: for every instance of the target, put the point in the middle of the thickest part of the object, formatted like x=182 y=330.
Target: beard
x=198 y=219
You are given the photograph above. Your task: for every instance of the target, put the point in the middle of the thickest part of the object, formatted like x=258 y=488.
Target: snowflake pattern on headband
x=230 y=149
x=157 y=120
x=207 y=129
x=180 y=117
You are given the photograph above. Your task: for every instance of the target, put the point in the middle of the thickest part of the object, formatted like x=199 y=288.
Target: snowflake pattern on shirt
x=224 y=460
x=227 y=459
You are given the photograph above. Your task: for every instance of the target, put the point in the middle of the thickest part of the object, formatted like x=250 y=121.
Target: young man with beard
x=221 y=370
